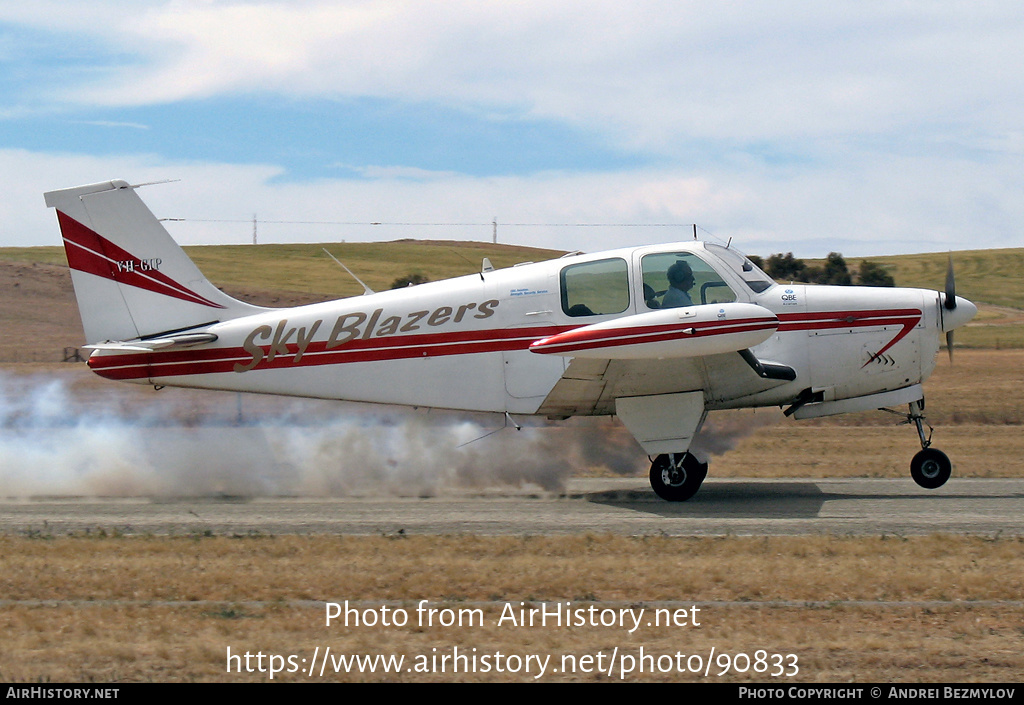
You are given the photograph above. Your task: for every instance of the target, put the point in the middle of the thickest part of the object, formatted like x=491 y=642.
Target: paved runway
x=619 y=506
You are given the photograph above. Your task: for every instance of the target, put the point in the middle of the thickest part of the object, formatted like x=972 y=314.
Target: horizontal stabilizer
x=185 y=340
x=693 y=331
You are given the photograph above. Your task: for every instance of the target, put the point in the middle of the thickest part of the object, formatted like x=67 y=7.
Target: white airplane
x=657 y=335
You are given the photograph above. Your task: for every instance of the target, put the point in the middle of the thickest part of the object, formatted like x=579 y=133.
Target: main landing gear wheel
x=930 y=468
x=677 y=476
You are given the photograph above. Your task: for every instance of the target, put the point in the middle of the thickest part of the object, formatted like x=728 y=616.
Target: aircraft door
x=530 y=306
x=579 y=294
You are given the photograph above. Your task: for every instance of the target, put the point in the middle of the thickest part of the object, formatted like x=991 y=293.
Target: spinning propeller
x=950 y=304
x=956 y=310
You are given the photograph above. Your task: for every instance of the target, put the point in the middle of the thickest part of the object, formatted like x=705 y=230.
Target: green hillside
x=991 y=278
x=306 y=268
x=983 y=276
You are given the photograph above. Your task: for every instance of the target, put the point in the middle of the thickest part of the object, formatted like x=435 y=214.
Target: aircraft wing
x=693 y=331
x=590 y=387
x=651 y=369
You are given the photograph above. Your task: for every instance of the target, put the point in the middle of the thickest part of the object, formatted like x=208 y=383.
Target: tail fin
x=131 y=279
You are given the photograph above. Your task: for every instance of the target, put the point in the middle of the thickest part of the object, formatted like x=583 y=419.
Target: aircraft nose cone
x=964 y=312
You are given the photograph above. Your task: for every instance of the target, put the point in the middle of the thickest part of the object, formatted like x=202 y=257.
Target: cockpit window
x=673 y=279
x=750 y=273
x=595 y=288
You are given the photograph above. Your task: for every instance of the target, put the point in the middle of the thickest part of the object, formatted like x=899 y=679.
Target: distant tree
x=813 y=275
x=872 y=274
x=757 y=261
x=785 y=267
x=409 y=280
x=836 y=271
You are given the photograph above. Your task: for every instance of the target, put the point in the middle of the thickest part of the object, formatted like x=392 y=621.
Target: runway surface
x=618 y=506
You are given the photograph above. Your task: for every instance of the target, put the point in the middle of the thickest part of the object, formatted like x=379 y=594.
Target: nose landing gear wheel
x=677 y=476
x=930 y=468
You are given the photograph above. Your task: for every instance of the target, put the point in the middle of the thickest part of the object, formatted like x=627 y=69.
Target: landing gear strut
x=677 y=476
x=930 y=468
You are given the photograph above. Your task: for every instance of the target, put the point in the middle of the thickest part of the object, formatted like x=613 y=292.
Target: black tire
x=679 y=482
x=930 y=468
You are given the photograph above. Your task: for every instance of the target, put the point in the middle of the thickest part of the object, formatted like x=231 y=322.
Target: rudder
x=131 y=279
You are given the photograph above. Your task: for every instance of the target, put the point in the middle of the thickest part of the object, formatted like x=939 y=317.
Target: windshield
x=751 y=275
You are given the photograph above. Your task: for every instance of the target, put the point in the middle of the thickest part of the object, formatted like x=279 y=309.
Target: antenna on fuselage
x=366 y=289
x=508 y=419
x=486 y=266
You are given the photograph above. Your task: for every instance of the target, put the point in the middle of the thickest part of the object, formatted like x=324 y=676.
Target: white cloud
x=648 y=73
x=395 y=172
x=115 y=124
x=909 y=204
x=874 y=127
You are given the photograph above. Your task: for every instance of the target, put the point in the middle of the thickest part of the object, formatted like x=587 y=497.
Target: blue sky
x=867 y=128
x=321 y=138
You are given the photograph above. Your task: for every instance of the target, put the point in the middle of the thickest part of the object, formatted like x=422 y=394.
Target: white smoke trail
x=56 y=440
x=723 y=430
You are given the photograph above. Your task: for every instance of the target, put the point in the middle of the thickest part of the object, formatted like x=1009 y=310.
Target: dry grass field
x=114 y=609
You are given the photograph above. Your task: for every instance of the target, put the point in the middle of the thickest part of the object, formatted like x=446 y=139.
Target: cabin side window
x=595 y=288
x=675 y=279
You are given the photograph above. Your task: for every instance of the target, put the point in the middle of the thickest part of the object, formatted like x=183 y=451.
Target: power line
x=429 y=224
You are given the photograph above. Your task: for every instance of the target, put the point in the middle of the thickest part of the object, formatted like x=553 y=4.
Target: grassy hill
x=990 y=278
x=986 y=276
x=288 y=275
x=305 y=267
x=304 y=271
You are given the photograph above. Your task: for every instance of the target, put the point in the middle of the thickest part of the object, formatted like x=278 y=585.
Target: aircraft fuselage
x=465 y=344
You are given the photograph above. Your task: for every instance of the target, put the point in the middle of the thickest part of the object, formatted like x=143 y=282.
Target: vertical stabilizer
x=131 y=278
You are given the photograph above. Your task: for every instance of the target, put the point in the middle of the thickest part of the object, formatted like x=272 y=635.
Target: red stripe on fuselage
x=215 y=360
x=175 y=363
x=846 y=319
x=830 y=320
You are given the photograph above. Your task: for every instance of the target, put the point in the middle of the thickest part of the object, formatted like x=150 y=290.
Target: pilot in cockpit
x=680 y=279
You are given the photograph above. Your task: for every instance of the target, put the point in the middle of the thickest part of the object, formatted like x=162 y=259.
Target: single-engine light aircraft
x=657 y=335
